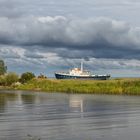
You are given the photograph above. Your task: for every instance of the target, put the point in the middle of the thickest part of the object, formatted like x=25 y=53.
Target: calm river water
x=68 y=116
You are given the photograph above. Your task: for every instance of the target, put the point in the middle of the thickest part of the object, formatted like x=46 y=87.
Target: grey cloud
x=8 y=53
x=54 y=61
x=36 y=7
x=33 y=55
x=100 y=38
x=10 y=8
x=73 y=8
x=27 y=33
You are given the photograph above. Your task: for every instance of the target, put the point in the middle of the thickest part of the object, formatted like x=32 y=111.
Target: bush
x=2 y=80
x=11 y=78
x=41 y=76
x=27 y=76
x=8 y=79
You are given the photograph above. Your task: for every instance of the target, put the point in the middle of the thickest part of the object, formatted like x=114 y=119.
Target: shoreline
x=118 y=86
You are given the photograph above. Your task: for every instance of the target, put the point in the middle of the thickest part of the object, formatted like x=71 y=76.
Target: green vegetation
x=8 y=79
x=116 y=86
x=11 y=78
x=42 y=76
x=27 y=76
x=28 y=81
x=3 y=68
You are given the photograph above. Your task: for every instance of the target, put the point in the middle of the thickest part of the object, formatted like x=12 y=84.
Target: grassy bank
x=117 y=86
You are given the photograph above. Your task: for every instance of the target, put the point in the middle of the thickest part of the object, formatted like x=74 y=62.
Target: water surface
x=68 y=116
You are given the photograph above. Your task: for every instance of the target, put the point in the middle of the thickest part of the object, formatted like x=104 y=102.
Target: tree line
x=11 y=78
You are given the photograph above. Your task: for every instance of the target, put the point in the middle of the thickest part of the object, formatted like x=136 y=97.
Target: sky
x=44 y=36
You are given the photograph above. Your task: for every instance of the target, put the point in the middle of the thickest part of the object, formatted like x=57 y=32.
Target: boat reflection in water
x=76 y=105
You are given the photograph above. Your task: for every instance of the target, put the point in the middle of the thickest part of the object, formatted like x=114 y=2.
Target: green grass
x=126 y=86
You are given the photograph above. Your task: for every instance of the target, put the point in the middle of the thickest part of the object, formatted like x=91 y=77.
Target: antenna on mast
x=82 y=66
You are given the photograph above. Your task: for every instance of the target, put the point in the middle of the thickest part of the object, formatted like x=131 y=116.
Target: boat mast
x=82 y=66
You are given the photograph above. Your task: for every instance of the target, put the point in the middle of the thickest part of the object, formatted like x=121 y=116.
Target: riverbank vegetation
x=11 y=79
x=28 y=81
x=8 y=79
x=127 y=86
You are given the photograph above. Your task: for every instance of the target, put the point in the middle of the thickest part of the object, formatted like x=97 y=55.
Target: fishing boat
x=80 y=73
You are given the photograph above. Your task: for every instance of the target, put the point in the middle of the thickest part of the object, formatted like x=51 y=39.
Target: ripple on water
x=68 y=116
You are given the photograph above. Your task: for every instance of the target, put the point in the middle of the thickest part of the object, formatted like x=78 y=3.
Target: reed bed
x=122 y=86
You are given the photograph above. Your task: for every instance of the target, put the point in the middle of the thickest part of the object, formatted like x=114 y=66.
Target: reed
x=127 y=86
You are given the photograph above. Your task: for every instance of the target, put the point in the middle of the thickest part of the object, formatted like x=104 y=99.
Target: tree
x=27 y=76
x=3 y=68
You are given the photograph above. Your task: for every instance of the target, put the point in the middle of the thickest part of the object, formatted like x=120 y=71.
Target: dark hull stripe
x=59 y=76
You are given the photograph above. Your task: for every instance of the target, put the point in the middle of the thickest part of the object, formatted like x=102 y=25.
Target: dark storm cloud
x=100 y=38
